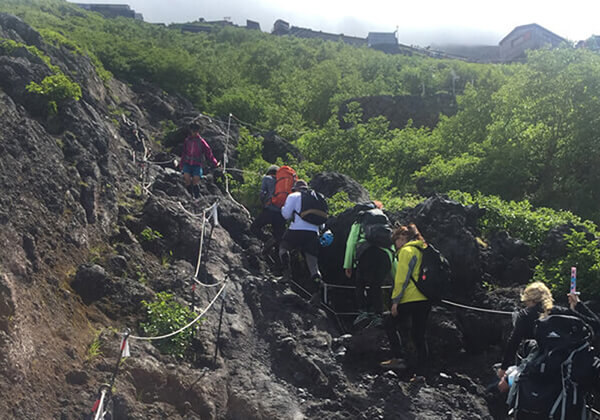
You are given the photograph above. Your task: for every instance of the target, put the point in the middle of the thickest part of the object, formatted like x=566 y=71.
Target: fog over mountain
x=421 y=23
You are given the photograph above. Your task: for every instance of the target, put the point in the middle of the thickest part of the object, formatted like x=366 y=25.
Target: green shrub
x=164 y=316
x=150 y=235
x=338 y=203
x=55 y=89
x=518 y=218
x=581 y=253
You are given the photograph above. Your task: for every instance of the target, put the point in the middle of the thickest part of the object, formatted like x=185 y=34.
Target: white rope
x=448 y=302
x=206 y=210
x=209 y=285
x=341 y=286
x=186 y=326
x=244 y=171
x=473 y=308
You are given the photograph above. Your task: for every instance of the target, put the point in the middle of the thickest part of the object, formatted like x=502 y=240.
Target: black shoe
x=196 y=191
x=190 y=190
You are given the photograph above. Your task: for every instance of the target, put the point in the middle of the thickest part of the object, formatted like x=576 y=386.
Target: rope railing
x=171 y=334
x=474 y=308
x=327 y=286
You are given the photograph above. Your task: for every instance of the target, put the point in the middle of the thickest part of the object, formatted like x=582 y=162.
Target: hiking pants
x=269 y=217
x=373 y=266
x=305 y=241
x=418 y=312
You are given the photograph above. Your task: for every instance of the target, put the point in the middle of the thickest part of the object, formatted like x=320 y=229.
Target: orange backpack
x=284 y=181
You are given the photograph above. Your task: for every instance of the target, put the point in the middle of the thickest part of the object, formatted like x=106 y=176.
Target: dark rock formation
x=423 y=111
x=330 y=183
x=275 y=147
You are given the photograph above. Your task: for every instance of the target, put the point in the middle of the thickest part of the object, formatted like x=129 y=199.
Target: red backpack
x=284 y=181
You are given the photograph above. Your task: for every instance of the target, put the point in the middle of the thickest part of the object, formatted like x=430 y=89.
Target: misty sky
x=420 y=22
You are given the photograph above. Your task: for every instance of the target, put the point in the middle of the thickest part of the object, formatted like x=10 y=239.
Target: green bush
x=338 y=203
x=56 y=89
x=581 y=253
x=519 y=218
x=164 y=316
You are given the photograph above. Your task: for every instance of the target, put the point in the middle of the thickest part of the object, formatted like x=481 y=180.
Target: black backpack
x=376 y=228
x=434 y=277
x=314 y=207
x=554 y=379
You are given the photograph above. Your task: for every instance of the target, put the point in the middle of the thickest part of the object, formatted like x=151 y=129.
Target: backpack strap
x=411 y=277
x=411 y=267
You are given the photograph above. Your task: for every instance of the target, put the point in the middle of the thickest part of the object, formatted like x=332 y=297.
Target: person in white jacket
x=300 y=235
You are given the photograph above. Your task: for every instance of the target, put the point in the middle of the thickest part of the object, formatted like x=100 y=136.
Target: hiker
x=560 y=370
x=271 y=213
x=539 y=303
x=301 y=234
x=369 y=262
x=407 y=300
x=195 y=155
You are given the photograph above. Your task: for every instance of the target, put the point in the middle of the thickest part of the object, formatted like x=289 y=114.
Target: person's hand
x=573 y=300
x=395 y=309
x=348 y=272
x=501 y=373
x=218 y=164
x=503 y=384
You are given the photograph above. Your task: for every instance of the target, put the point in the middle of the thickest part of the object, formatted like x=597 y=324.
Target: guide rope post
x=219 y=329
x=103 y=395
x=207 y=250
x=225 y=155
x=121 y=353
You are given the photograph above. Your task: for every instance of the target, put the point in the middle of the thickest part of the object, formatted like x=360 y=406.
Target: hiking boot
x=190 y=190
x=196 y=190
x=393 y=364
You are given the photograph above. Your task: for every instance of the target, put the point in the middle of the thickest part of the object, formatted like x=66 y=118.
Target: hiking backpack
x=314 y=207
x=376 y=228
x=434 y=277
x=284 y=181
x=553 y=380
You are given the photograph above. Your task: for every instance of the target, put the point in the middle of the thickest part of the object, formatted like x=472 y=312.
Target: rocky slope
x=75 y=266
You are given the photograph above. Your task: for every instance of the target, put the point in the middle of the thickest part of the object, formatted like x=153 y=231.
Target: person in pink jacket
x=195 y=156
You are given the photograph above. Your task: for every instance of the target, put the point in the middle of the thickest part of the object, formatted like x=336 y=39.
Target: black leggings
x=373 y=266
x=418 y=312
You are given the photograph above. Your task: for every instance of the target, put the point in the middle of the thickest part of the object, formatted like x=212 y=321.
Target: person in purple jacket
x=194 y=157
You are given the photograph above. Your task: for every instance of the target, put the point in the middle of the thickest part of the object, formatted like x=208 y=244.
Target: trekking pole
x=219 y=328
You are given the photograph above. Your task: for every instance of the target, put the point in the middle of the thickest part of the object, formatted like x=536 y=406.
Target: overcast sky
x=420 y=22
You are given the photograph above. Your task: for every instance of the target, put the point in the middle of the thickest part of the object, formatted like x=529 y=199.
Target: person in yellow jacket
x=407 y=300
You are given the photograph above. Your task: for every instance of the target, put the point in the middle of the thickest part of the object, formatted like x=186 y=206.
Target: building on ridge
x=526 y=37
x=111 y=10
